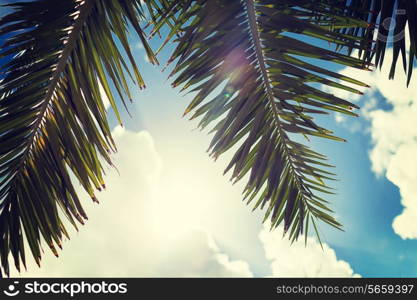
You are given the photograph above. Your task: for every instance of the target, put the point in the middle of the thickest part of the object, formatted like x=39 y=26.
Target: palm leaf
x=252 y=50
x=52 y=118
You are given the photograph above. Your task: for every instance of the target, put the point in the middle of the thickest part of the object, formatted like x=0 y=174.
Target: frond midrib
x=254 y=30
x=84 y=12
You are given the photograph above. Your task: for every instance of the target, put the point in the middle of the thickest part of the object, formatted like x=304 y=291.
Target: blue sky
x=181 y=217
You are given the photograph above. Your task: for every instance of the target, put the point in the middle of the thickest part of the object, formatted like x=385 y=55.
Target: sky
x=169 y=211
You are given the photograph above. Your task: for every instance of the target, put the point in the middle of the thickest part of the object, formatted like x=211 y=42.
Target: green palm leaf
x=254 y=51
x=52 y=117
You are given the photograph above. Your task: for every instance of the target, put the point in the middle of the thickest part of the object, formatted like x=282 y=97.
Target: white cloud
x=394 y=135
x=299 y=260
x=140 y=231
x=402 y=172
x=197 y=255
x=128 y=236
x=390 y=131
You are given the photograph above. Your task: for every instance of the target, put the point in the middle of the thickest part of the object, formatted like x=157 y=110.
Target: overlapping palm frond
x=52 y=117
x=255 y=67
x=391 y=23
x=254 y=51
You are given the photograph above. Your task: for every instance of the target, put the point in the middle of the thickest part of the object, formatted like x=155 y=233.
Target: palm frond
x=52 y=118
x=252 y=49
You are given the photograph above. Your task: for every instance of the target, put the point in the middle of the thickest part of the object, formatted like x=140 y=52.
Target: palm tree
x=53 y=123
